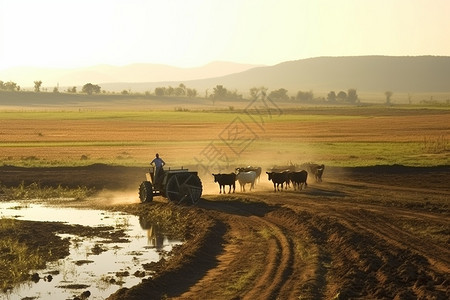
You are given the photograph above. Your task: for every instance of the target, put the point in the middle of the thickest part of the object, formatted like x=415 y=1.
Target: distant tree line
x=351 y=96
x=219 y=92
x=90 y=89
x=179 y=91
x=9 y=86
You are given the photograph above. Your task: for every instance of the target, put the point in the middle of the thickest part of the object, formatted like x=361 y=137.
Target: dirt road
x=340 y=239
x=366 y=233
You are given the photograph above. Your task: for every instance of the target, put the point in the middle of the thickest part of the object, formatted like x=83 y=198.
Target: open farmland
x=335 y=136
x=377 y=227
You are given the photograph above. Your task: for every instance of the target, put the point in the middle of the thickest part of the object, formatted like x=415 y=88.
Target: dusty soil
x=363 y=233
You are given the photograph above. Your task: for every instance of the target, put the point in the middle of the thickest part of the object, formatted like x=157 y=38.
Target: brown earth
x=363 y=233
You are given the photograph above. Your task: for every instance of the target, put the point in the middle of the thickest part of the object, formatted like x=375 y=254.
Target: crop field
x=375 y=228
x=338 y=137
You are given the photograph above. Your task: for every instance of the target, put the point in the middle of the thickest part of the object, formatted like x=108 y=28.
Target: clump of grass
x=241 y=282
x=266 y=233
x=36 y=191
x=16 y=261
x=16 y=258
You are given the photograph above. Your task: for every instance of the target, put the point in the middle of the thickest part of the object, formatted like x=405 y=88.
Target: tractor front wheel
x=146 y=191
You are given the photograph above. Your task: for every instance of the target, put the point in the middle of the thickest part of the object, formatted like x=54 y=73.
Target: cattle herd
x=281 y=177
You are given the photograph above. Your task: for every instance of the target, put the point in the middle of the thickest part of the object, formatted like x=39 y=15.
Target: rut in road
x=336 y=249
x=370 y=256
x=256 y=261
x=340 y=242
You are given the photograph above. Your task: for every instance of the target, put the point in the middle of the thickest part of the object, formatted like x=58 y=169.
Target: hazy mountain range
x=364 y=73
x=134 y=73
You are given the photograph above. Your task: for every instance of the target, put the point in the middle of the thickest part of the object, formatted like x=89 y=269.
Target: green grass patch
x=35 y=191
x=19 y=255
x=260 y=152
x=154 y=116
x=16 y=261
x=351 y=154
x=266 y=233
x=184 y=116
x=241 y=282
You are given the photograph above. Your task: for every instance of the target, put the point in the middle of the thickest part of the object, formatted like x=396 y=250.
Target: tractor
x=178 y=185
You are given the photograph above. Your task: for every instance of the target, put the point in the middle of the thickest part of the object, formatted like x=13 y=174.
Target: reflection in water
x=155 y=238
x=100 y=273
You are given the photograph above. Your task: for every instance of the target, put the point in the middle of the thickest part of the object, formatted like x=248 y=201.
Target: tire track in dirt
x=327 y=247
x=396 y=236
x=363 y=241
x=254 y=244
x=278 y=264
x=331 y=241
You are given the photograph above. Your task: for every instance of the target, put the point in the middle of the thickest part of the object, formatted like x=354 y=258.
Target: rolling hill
x=25 y=76
x=406 y=74
x=399 y=74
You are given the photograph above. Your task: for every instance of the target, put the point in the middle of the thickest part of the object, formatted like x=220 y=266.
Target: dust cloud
x=264 y=157
x=112 y=198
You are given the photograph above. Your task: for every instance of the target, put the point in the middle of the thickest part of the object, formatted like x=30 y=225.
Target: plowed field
x=363 y=233
x=340 y=239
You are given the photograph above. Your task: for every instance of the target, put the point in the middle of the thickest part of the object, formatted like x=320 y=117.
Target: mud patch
x=108 y=252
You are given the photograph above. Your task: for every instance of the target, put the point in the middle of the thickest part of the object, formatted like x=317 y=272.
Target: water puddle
x=95 y=273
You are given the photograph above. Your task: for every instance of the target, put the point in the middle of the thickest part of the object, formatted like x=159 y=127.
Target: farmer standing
x=159 y=164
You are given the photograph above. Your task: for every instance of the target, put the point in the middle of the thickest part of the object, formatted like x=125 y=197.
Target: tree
x=169 y=91
x=90 y=89
x=10 y=86
x=72 y=90
x=191 y=93
x=352 y=97
x=331 y=97
x=37 y=86
x=233 y=95
x=160 y=91
x=342 y=96
x=56 y=89
x=180 y=90
x=388 y=95
x=258 y=92
x=304 y=96
x=280 y=94
x=219 y=92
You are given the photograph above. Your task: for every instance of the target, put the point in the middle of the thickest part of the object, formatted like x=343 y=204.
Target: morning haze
x=367 y=74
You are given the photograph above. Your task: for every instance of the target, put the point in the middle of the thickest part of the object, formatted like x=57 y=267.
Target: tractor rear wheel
x=146 y=191
x=184 y=187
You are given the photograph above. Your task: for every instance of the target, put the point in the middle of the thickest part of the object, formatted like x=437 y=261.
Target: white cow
x=246 y=177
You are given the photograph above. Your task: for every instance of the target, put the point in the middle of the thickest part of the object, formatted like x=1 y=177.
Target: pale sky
x=191 y=33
